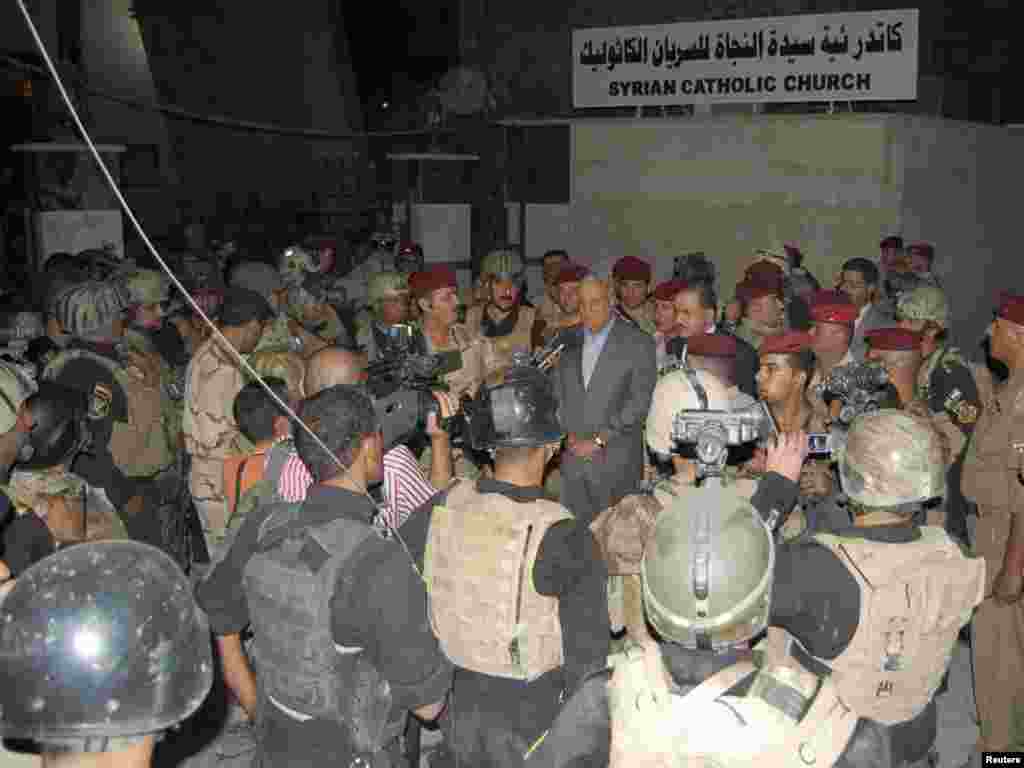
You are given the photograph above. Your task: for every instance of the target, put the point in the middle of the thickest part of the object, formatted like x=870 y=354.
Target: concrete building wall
x=834 y=185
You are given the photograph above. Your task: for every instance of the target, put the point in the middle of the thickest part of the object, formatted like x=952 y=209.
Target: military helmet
x=503 y=263
x=59 y=430
x=146 y=286
x=674 y=393
x=281 y=364
x=295 y=263
x=15 y=388
x=707 y=569
x=891 y=458
x=101 y=641
x=89 y=307
x=387 y=285
x=520 y=411
x=925 y=302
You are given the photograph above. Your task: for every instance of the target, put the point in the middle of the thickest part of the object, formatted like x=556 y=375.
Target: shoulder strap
x=281 y=523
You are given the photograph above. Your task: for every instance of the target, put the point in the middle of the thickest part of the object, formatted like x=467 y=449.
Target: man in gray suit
x=604 y=382
x=860 y=280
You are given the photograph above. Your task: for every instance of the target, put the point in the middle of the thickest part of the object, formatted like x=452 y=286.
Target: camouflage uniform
x=464 y=381
x=642 y=317
x=211 y=434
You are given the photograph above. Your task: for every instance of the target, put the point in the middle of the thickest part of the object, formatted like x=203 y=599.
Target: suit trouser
x=997 y=644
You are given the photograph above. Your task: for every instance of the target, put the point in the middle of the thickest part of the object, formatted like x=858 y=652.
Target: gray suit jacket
x=878 y=316
x=616 y=402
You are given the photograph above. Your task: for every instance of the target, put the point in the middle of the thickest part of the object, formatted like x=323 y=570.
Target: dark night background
x=399 y=47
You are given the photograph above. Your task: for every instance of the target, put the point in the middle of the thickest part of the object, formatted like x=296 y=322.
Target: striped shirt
x=405 y=486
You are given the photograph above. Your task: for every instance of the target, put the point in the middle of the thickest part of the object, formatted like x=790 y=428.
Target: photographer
x=404 y=486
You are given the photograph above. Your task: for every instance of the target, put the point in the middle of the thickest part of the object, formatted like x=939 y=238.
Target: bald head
x=333 y=366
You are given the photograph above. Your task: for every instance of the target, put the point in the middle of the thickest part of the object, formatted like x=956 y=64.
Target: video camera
x=401 y=388
x=860 y=388
x=713 y=432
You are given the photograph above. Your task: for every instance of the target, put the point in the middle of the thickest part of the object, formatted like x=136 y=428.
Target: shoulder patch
x=966 y=412
x=100 y=402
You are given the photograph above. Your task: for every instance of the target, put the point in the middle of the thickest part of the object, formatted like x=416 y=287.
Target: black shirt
x=385 y=611
x=26 y=541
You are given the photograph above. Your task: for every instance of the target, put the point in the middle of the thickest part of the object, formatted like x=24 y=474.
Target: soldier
x=435 y=292
x=954 y=389
x=698 y=693
x=665 y=318
x=516 y=586
x=295 y=264
x=568 y=282
x=832 y=316
x=922 y=260
x=211 y=433
x=860 y=280
x=898 y=351
x=992 y=479
x=502 y=318
x=148 y=292
x=762 y=309
x=548 y=307
x=53 y=506
x=343 y=648
x=127 y=657
x=880 y=604
x=308 y=306
x=130 y=456
x=383 y=326
x=284 y=332
x=632 y=285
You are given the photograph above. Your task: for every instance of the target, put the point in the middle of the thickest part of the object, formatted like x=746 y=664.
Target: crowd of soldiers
x=549 y=568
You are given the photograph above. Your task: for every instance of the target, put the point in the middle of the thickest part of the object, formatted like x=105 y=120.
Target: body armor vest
x=498 y=354
x=915 y=597
x=299 y=666
x=139 y=445
x=788 y=718
x=484 y=608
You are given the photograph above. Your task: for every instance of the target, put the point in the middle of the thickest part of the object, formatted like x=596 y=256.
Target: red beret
x=408 y=246
x=786 y=343
x=423 y=283
x=925 y=249
x=793 y=253
x=833 y=307
x=711 y=345
x=892 y=241
x=572 y=273
x=668 y=290
x=631 y=268
x=1011 y=307
x=758 y=286
x=893 y=339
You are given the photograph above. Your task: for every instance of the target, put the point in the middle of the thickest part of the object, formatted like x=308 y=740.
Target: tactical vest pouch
x=298 y=663
x=915 y=597
x=478 y=565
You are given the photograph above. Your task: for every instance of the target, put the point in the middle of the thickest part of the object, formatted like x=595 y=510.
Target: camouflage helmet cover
x=90 y=307
x=295 y=263
x=387 y=285
x=707 y=569
x=925 y=302
x=146 y=286
x=281 y=364
x=502 y=263
x=674 y=393
x=891 y=458
x=15 y=388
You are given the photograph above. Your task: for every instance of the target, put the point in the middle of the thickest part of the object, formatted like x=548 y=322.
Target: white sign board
x=828 y=57
x=75 y=231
